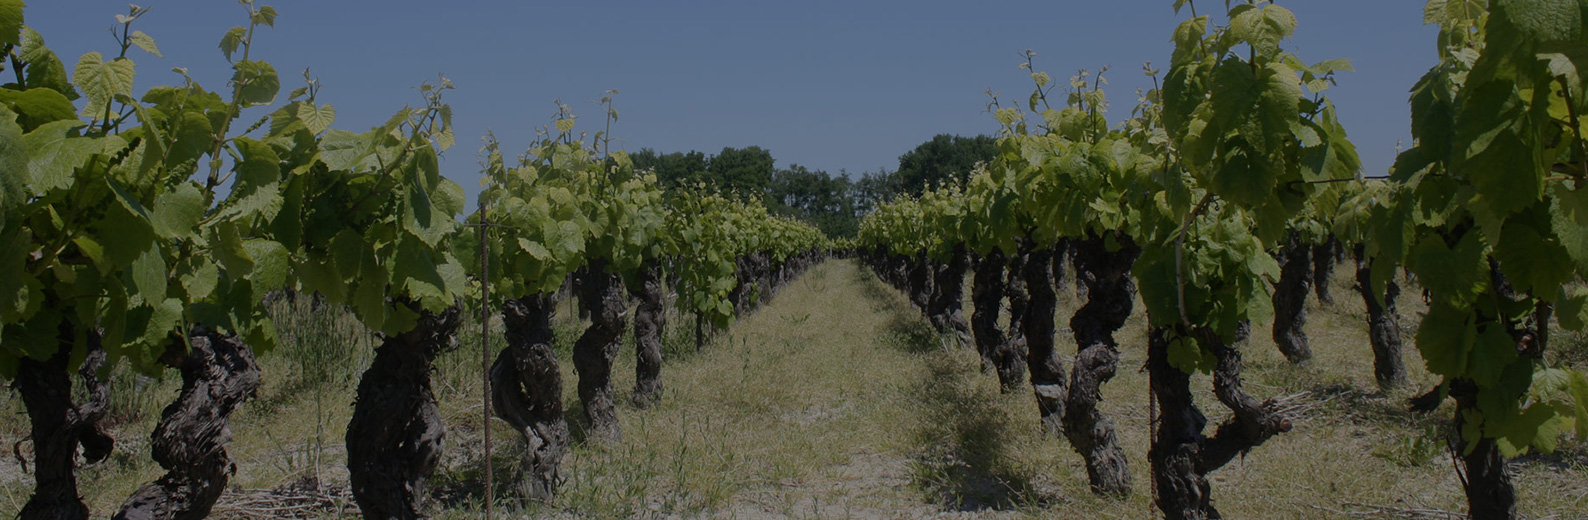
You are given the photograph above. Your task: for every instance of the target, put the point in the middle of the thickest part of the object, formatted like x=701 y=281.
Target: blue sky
x=830 y=85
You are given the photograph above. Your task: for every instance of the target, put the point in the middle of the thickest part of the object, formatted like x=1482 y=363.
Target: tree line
x=832 y=202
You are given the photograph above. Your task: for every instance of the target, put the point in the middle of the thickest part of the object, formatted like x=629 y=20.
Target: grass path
x=837 y=401
x=811 y=407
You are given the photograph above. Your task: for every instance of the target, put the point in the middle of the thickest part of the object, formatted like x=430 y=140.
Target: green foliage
x=565 y=205
x=107 y=226
x=1052 y=175
x=1243 y=149
x=709 y=231
x=11 y=22
x=1489 y=202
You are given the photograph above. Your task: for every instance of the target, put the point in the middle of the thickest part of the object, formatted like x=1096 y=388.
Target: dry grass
x=836 y=401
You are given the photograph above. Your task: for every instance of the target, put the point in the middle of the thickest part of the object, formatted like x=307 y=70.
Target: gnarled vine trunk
x=1490 y=494
x=1063 y=253
x=1048 y=377
x=59 y=426
x=394 y=438
x=649 y=318
x=1383 y=332
x=597 y=348
x=1290 y=299
x=1015 y=288
x=1111 y=294
x=1181 y=455
x=526 y=391
x=921 y=274
x=987 y=295
x=1324 y=258
x=218 y=374
x=947 y=307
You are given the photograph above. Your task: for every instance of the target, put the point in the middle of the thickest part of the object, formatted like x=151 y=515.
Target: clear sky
x=832 y=85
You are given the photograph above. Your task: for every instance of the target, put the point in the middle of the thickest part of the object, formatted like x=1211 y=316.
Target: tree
x=747 y=170
x=944 y=158
x=673 y=169
x=873 y=189
x=816 y=197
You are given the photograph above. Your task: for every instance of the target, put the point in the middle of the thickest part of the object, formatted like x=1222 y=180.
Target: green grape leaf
x=369 y=300
x=44 y=68
x=421 y=219
x=202 y=280
x=1543 y=20
x=257 y=189
x=1444 y=12
x=229 y=249
x=231 y=40
x=320 y=277
x=1188 y=356
x=265 y=16
x=1243 y=180
x=102 y=81
x=1263 y=28
x=20 y=292
x=38 y=106
x=1537 y=426
x=1530 y=261
x=317 y=120
x=11 y=22
x=124 y=234
x=349 y=251
x=149 y=275
x=1492 y=353
x=1569 y=218
x=1457 y=275
x=415 y=272
x=259 y=83
x=145 y=42
x=1445 y=338
x=164 y=316
x=176 y=212
x=14 y=162
x=536 y=250
x=1579 y=393
x=95 y=253
x=1496 y=153
x=55 y=151
x=1571 y=308
x=270 y=267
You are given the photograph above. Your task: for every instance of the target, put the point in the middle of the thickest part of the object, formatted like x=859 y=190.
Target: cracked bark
x=1324 y=258
x=395 y=436
x=526 y=392
x=1015 y=288
x=1290 y=299
x=58 y=425
x=649 y=318
x=1181 y=456
x=1048 y=377
x=218 y=374
x=1111 y=296
x=1383 y=332
x=948 y=299
x=597 y=348
x=995 y=348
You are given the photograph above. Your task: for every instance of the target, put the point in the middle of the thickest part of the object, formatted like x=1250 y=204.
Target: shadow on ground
x=963 y=460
